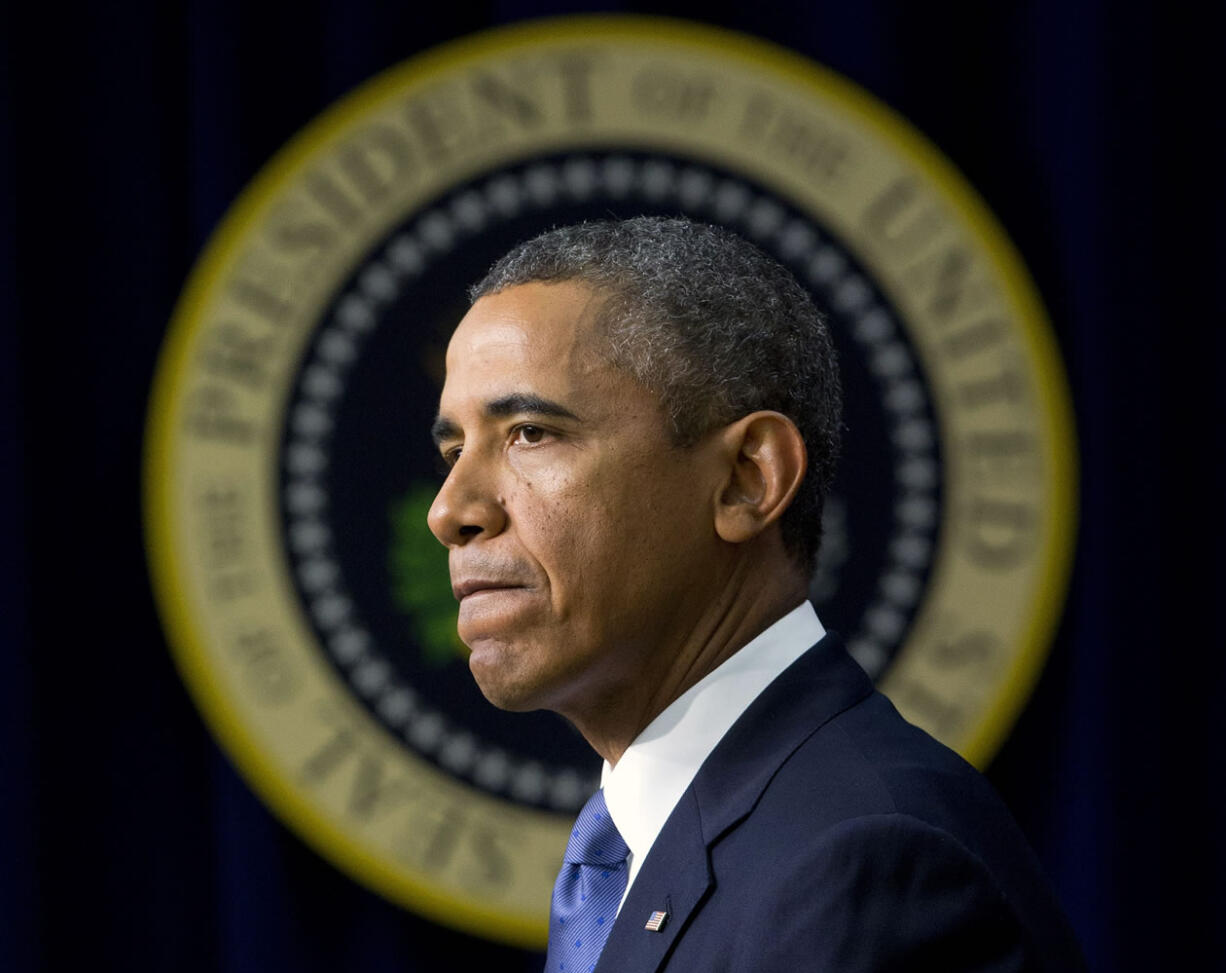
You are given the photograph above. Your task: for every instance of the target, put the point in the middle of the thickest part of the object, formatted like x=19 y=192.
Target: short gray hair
x=709 y=323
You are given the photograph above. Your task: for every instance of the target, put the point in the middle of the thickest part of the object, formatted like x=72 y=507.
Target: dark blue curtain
x=127 y=129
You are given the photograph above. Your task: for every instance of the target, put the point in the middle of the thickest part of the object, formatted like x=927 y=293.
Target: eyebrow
x=517 y=403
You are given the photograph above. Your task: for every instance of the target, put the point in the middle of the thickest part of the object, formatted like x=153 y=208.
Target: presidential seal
x=289 y=466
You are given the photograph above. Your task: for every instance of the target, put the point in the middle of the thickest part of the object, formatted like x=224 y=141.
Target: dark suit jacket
x=825 y=832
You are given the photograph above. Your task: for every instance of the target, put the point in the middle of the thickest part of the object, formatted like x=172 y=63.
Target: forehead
x=537 y=333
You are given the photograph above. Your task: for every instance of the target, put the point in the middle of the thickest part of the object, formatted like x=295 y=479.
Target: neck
x=746 y=603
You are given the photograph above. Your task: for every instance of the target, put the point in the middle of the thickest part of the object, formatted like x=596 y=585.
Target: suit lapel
x=674 y=880
x=813 y=690
x=676 y=876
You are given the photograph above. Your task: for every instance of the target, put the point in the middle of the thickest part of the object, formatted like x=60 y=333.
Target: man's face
x=581 y=539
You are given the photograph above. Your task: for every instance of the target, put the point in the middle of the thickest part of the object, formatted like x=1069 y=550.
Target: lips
x=472 y=586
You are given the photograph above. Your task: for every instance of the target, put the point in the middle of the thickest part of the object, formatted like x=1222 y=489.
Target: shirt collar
x=653 y=773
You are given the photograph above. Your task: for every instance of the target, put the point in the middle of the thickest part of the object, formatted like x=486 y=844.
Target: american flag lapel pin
x=656 y=922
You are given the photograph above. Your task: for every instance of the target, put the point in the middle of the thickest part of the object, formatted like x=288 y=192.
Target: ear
x=765 y=460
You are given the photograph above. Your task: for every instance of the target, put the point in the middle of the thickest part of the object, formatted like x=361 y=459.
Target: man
x=641 y=420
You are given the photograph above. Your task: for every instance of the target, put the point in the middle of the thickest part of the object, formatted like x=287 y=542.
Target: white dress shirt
x=653 y=773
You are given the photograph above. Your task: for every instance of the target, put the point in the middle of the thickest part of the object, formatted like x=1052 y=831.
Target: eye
x=529 y=434
x=447 y=459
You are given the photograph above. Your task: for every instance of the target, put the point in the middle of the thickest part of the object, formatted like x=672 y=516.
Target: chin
x=496 y=677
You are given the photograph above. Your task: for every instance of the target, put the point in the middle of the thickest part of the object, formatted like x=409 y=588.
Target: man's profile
x=640 y=421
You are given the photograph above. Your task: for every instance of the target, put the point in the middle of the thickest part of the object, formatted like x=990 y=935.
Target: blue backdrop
x=127 y=129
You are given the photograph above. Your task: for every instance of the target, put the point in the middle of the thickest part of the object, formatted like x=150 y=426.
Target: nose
x=466 y=507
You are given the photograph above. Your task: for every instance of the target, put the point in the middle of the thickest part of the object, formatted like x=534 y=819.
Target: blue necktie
x=588 y=891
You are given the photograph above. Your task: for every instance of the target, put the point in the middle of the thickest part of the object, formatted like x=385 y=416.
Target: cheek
x=550 y=520
x=604 y=528
x=576 y=537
